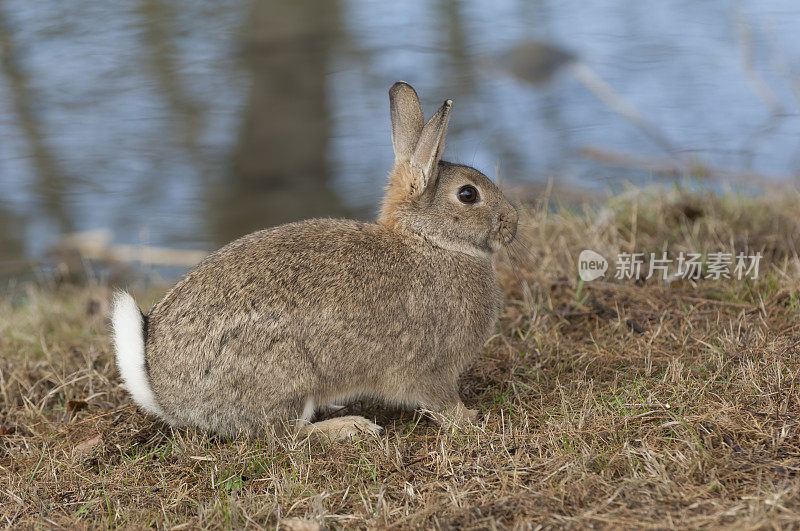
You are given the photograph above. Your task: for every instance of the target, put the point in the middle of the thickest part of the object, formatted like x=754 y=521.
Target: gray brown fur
x=336 y=309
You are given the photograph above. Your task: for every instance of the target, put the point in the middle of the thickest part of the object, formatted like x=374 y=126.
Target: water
x=188 y=123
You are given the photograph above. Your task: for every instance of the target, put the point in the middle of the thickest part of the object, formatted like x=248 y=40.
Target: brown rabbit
x=312 y=313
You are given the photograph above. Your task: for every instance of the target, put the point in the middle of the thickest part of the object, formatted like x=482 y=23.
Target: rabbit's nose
x=507 y=226
x=510 y=217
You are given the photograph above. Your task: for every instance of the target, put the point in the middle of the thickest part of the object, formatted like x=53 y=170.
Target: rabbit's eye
x=467 y=194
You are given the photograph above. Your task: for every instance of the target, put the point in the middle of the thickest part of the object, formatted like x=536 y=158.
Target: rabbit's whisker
x=513 y=268
x=520 y=254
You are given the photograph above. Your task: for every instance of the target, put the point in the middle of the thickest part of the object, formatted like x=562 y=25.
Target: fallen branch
x=673 y=168
x=96 y=245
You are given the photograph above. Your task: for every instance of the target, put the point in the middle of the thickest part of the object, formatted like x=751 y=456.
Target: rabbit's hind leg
x=337 y=429
x=341 y=428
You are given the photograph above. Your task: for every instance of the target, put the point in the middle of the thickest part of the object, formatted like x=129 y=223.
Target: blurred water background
x=185 y=124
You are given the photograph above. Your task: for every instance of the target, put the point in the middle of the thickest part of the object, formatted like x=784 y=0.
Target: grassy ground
x=612 y=403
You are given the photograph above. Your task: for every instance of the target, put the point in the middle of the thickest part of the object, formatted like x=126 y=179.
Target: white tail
x=128 y=324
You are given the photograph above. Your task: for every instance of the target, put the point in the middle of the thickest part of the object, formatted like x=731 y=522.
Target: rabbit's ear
x=407 y=120
x=430 y=147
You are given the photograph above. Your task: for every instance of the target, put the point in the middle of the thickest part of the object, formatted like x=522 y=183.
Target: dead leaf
x=93 y=307
x=7 y=429
x=73 y=406
x=76 y=405
x=85 y=447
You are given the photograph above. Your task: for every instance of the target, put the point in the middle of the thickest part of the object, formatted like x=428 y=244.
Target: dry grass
x=616 y=404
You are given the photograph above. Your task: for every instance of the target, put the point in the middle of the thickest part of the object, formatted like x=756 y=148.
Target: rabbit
x=292 y=318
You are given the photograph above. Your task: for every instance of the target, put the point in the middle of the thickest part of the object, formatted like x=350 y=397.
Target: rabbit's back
x=322 y=308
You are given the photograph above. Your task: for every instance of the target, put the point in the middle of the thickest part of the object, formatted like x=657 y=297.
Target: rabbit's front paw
x=455 y=415
x=459 y=412
x=469 y=414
